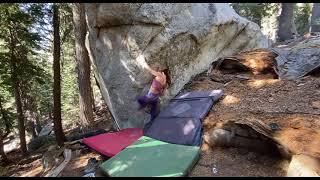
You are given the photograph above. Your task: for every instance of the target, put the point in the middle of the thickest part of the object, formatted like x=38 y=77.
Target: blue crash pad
x=184 y=131
x=180 y=121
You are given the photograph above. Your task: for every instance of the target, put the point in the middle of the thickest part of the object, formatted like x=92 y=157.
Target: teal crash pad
x=149 y=157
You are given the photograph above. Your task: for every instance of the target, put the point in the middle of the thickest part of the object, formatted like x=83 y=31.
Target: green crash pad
x=149 y=157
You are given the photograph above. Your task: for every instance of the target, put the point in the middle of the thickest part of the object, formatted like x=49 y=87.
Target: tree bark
x=3 y=135
x=85 y=89
x=17 y=96
x=21 y=122
x=38 y=124
x=315 y=18
x=60 y=137
x=32 y=129
x=6 y=122
x=286 y=29
x=29 y=103
x=2 y=153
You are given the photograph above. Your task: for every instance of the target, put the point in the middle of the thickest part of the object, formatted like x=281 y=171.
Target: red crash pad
x=110 y=144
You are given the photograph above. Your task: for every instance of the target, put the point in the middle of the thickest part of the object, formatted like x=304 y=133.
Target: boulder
x=304 y=166
x=299 y=59
x=183 y=38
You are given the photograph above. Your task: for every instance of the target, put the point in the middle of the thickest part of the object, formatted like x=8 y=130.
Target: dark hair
x=167 y=73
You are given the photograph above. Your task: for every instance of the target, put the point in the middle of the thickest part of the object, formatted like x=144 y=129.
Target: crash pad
x=148 y=157
x=184 y=131
x=196 y=104
x=213 y=94
x=110 y=144
x=180 y=121
x=198 y=108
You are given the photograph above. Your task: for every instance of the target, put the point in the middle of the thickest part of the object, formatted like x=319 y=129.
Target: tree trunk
x=58 y=131
x=50 y=116
x=85 y=89
x=286 y=22
x=17 y=96
x=2 y=153
x=29 y=103
x=315 y=18
x=32 y=129
x=21 y=125
x=3 y=135
x=38 y=124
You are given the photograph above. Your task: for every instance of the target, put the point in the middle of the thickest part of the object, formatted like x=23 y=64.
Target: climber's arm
x=153 y=72
x=142 y=62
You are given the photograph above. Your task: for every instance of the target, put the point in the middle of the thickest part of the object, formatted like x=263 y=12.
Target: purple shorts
x=151 y=99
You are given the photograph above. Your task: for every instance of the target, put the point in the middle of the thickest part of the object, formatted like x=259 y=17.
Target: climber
x=159 y=84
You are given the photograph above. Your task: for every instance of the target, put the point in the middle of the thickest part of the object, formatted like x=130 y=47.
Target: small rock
x=91 y=165
x=214 y=170
x=218 y=137
x=274 y=126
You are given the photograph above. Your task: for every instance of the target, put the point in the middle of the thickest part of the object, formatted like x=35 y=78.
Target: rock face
x=295 y=61
x=183 y=38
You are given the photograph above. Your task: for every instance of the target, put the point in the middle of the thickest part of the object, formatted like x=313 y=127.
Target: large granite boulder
x=183 y=38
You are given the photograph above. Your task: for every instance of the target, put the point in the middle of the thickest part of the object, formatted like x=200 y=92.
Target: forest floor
x=294 y=103
x=31 y=165
x=288 y=103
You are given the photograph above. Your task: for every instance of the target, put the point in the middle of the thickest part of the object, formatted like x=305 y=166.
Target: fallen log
x=67 y=157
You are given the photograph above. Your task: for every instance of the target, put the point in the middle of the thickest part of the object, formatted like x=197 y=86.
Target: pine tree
x=83 y=64
x=286 y=22
x=57 y=86
x=18 y=44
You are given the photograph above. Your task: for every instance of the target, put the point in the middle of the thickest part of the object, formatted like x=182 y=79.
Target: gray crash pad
x=197 y=108
x=184 y=131
x=194 y=104
x=213 y=94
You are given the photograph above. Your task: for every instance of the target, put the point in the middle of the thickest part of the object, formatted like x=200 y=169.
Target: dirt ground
x=77 y=165
x=294 y=104
x=290 y=104
x=238 y=163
